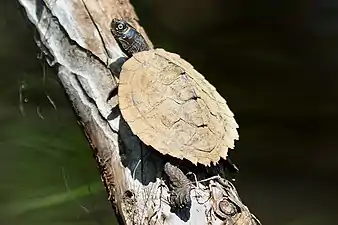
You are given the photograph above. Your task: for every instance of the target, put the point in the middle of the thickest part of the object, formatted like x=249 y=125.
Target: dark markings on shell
x=174 y=109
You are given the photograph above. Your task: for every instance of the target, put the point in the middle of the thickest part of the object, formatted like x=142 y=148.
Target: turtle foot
x=180 y=198
x=180 y=185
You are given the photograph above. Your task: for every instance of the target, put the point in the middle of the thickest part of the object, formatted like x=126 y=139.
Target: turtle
x=168 y=104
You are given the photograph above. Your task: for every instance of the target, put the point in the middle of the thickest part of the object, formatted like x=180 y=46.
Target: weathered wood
x=75 y=36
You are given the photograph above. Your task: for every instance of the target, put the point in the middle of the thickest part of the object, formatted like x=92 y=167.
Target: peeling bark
x=75 y=36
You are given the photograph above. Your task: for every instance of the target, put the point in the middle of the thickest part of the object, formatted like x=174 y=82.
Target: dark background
x=274 y=61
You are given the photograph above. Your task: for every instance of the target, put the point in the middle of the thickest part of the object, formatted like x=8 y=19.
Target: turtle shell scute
x=173 y=108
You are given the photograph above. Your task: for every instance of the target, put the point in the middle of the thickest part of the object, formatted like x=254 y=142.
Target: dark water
x=276 y=64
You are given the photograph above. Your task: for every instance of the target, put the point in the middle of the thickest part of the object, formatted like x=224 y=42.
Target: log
x=75 y=37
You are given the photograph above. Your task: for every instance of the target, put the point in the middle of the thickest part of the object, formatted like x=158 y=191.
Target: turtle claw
x=180 y=198
x=233 y=168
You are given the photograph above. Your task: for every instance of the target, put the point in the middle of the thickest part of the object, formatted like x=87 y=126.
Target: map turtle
x=171 y=107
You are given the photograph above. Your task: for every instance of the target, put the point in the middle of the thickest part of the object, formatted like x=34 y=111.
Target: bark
x=75 y=37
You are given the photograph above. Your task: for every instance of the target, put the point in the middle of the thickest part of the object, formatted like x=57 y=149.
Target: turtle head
x=129 y=40
x=119 y=27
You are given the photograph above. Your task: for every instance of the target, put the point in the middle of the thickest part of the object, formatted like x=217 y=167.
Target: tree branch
x=75 y=36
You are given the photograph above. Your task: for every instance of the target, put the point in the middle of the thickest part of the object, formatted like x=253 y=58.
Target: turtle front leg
x=181 y=187
x=116 y=66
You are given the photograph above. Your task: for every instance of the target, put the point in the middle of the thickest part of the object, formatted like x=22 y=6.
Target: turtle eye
x=120 y=26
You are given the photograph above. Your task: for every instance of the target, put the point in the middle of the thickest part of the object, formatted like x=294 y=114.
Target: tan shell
x=171 y=107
